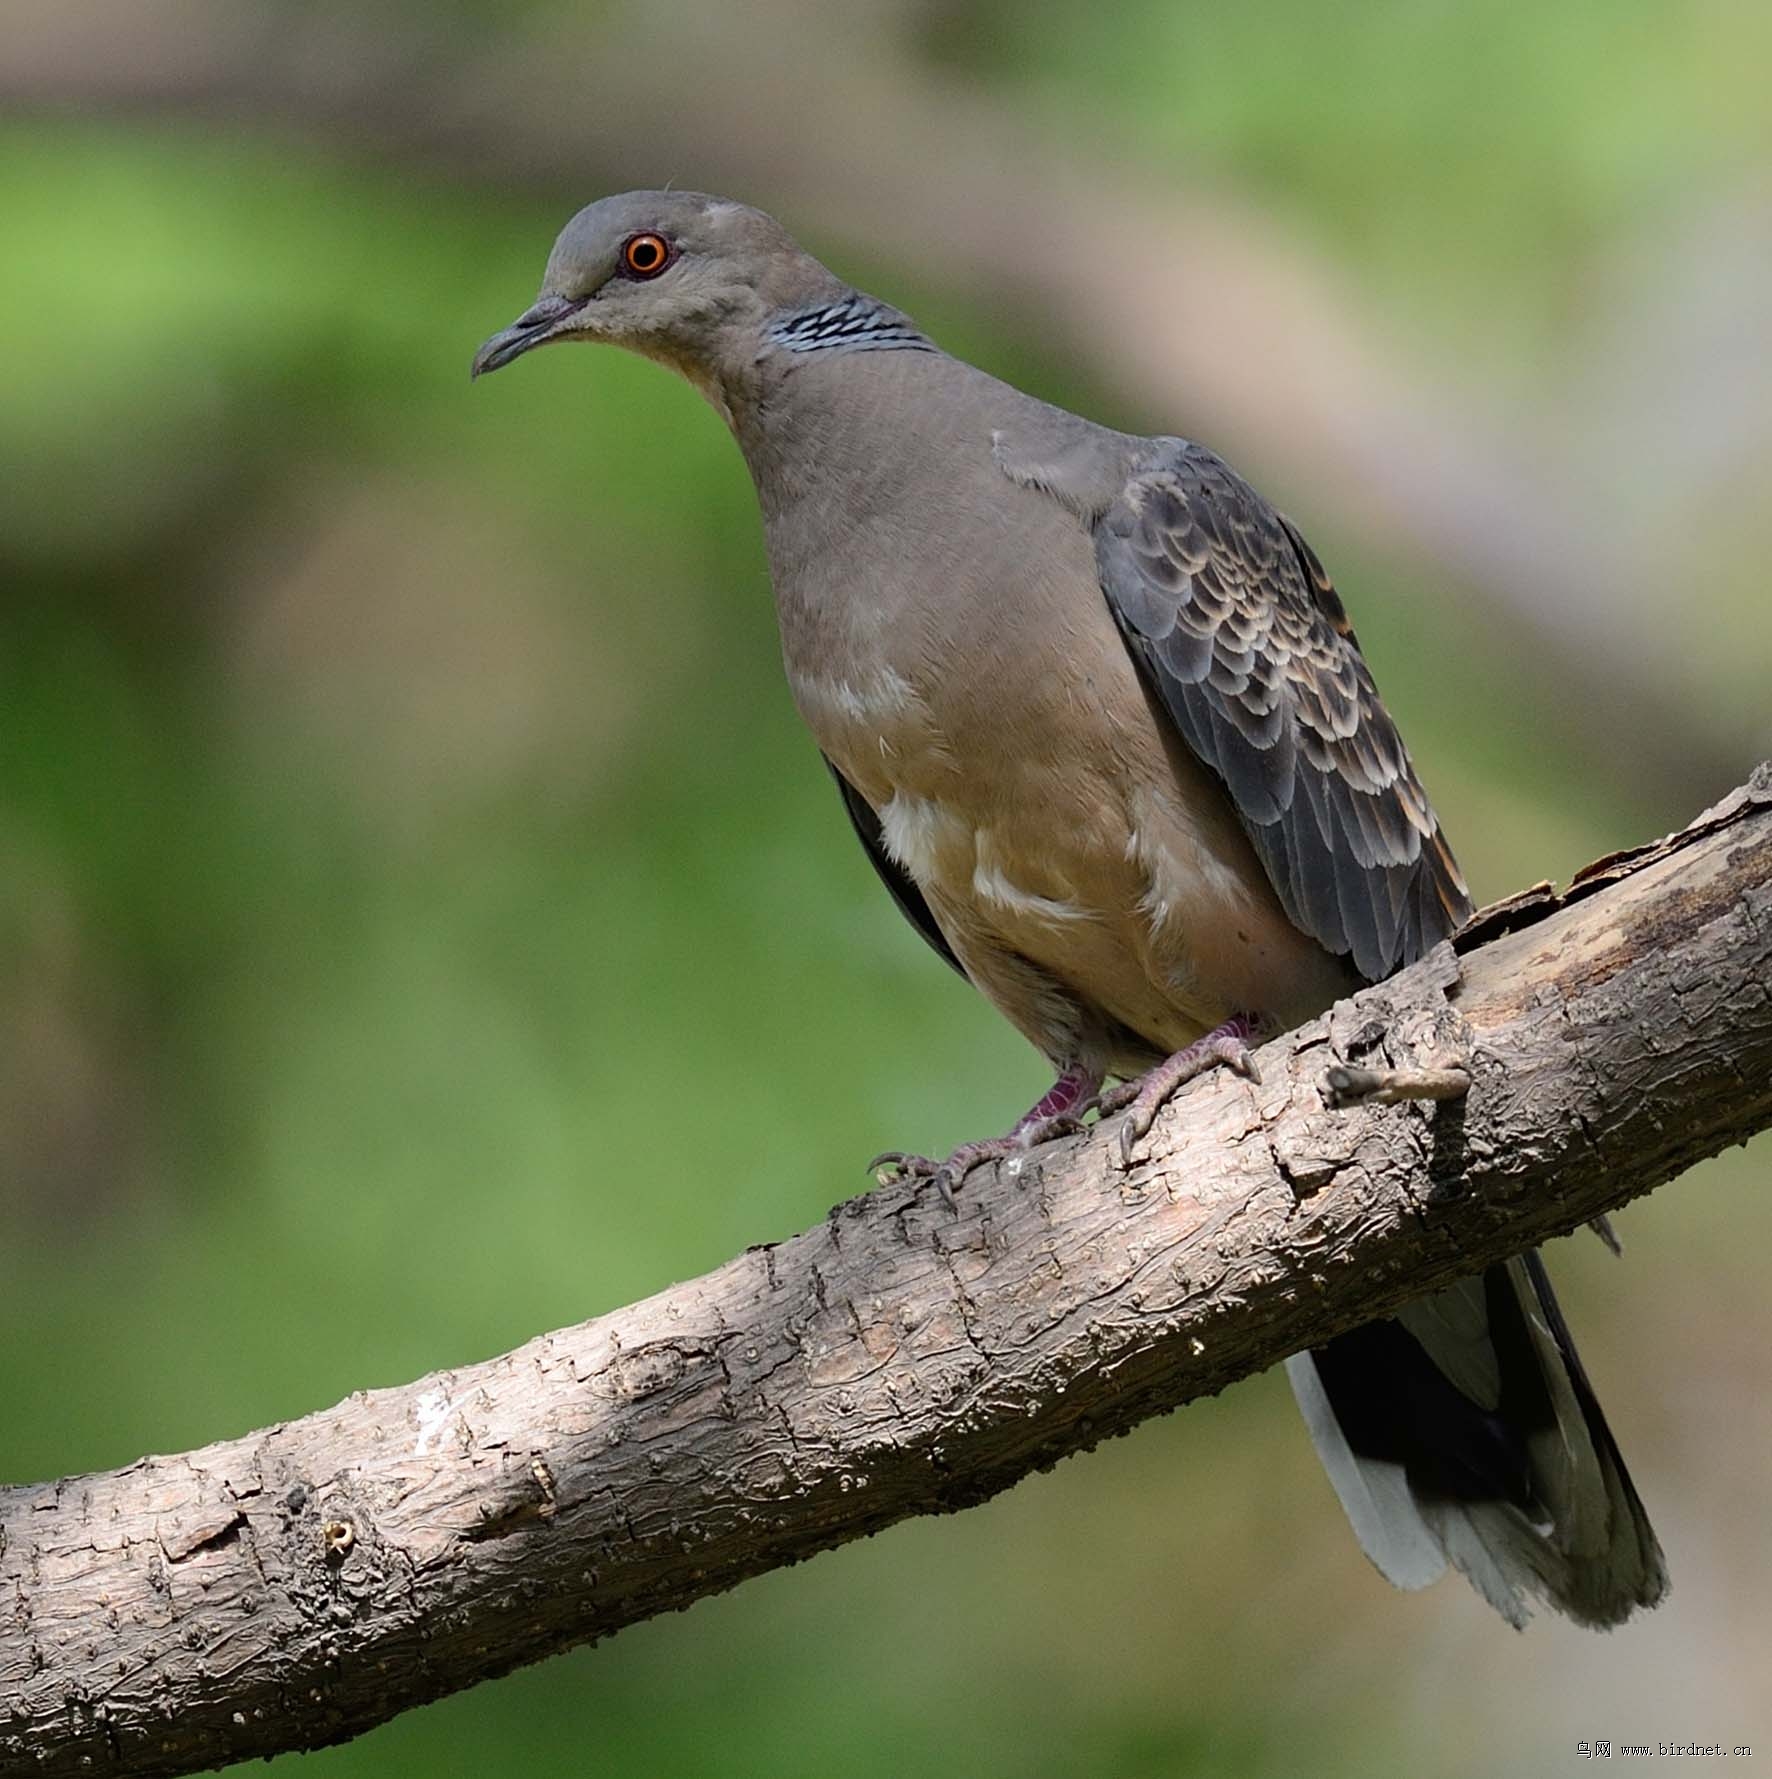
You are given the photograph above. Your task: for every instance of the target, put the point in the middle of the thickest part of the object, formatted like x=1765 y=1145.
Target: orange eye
x=645 y=256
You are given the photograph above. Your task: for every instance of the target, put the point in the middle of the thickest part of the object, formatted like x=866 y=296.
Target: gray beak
x=534 y=327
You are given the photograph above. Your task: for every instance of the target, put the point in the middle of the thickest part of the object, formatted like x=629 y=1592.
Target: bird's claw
x=1226 y=1047
x=899 y=1164
x=893 y=1165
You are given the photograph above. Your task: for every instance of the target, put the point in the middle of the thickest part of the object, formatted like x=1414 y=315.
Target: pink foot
x=1227 y=1047
x=1058 y=1113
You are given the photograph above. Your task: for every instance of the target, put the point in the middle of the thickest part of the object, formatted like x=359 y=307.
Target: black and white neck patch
x=854 y=323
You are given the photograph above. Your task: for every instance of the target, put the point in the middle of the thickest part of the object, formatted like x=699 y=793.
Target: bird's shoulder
x=1081 y=465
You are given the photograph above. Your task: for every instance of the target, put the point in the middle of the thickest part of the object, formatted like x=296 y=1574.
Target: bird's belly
x=1117 y=897
x=1050 y=821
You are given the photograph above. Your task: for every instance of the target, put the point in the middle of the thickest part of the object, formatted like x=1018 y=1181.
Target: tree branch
x=302 y=1584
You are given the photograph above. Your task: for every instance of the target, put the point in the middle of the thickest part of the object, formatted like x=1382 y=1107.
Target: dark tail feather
x=1464 y=1430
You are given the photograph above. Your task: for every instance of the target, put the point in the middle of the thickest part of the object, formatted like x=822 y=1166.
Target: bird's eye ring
x=645 y=255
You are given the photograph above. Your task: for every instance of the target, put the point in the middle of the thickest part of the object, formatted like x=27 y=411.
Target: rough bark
x=301 y=1584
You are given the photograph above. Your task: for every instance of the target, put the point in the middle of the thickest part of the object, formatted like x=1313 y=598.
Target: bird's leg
x=1226 y=1046
x=1056 y=1113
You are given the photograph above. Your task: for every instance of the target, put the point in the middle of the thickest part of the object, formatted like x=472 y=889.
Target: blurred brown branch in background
x=302 y=1584
x=1199 y=313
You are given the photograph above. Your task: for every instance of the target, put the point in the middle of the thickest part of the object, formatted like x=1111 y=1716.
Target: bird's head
x=678 y=276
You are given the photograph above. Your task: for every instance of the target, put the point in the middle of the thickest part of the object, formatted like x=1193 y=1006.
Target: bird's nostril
x=547 y=311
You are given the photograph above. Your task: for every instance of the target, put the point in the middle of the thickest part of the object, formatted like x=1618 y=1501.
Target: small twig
x=1602 y=1227
x=1344 y=1085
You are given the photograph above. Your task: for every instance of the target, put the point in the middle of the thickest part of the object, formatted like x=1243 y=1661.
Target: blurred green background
x=422 y=921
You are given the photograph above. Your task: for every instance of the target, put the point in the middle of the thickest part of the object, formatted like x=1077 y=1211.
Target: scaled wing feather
x=1242 y=636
